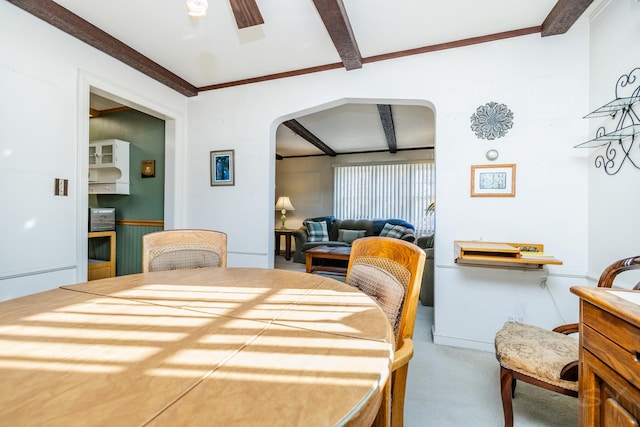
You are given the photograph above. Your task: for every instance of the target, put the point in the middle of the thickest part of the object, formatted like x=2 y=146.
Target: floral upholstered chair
x=545 y=358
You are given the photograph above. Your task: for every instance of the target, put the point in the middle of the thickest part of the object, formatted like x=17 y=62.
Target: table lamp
x=283 y=205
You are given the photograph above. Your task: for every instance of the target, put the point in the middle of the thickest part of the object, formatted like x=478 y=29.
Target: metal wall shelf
x=621 y=139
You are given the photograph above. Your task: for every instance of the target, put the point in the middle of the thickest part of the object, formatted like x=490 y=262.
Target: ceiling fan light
x=197 y=8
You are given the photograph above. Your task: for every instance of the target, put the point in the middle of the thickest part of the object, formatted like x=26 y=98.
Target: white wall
x=543 y=81
x=45 y=78
x=614 y=203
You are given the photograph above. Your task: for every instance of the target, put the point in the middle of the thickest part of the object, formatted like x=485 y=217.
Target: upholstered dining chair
x=542 y=357
x=390 y=271
x=181 y=249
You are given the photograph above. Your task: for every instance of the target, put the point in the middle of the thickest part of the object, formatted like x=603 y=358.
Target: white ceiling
x=211 y=50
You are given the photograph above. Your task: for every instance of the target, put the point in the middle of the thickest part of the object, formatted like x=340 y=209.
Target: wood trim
x=275 y=76
x=454 y=44
x=386 y=118
x=383 y=57
x=141 y=222
x=563 y=15
x=335 y=19
x=63 y=19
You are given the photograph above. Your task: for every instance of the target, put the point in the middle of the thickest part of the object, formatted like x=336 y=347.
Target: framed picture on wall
x=222 y=168
x=493 y=180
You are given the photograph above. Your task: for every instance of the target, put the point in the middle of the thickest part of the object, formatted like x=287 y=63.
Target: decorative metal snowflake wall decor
x=491 y=121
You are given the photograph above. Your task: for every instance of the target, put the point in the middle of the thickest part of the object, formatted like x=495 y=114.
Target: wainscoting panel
x=129 y=244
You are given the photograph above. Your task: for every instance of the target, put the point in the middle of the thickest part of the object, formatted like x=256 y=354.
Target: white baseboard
x=461 y=342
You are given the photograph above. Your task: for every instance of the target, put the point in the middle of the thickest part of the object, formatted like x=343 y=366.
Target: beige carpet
x=454 y=387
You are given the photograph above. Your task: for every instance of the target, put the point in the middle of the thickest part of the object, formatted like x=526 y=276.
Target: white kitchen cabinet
x=109 y=167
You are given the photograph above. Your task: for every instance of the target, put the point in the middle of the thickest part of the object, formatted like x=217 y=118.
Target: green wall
x=146 y=135
x=146 y=199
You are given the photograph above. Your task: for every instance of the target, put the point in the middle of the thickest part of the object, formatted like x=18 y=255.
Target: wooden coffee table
x=327 y=252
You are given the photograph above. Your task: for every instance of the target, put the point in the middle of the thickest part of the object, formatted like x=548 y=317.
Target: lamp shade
x=284 y=203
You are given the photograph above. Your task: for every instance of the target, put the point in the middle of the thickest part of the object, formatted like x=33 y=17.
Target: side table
x=288 y=237
x=100 y=269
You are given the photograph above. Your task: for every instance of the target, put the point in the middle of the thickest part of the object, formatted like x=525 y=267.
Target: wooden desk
x=609 y=388
x=288 y=237
x=194 y=347
x=501 y=254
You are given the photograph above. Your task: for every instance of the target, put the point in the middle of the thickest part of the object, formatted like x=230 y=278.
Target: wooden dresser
x=609 y=390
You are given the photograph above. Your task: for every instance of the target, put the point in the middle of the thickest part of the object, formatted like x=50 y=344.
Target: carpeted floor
x=454 y=387
x=450 y=386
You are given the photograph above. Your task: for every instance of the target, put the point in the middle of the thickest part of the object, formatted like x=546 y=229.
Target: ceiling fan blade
x=246 y=13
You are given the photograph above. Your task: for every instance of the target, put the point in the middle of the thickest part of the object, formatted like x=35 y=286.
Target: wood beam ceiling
x=335 y=19
x=563 y=15
x=560 y=19
x=63 y=19
x=386 y=117
x=304 y=133
x=246 y=13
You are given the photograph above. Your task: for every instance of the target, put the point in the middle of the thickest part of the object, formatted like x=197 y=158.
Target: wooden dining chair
x=542 y=357
x=390 y=271
x=182 y=249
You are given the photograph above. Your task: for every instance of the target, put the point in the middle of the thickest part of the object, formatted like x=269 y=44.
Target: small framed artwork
x=493 y=181
x=148 y=168
x=222 y=168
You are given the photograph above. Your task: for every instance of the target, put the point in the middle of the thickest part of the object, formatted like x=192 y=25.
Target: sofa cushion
x=317 y=231
x=378 y=224
x=354 y=224
x=348 y=236
x=329 y=219
x=395 y=231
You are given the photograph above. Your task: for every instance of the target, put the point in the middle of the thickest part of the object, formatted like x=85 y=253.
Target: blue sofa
x=340 y=232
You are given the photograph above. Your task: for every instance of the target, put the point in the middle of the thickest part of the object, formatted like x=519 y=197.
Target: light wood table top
x=193 y=347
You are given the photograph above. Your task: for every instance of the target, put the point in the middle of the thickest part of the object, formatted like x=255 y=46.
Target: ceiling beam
x=61 y=18
x=246 y=12
x=387 y=125
x=346 y=153
x=304 y=133
x=336 y=21
x=563 y=15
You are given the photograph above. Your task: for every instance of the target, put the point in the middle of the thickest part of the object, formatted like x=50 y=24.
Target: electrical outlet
x=515 y=318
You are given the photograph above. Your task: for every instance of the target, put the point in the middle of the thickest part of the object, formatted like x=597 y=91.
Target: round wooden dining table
x=202 y=347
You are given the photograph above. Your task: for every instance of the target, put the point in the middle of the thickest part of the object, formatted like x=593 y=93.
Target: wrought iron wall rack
x=624 y=114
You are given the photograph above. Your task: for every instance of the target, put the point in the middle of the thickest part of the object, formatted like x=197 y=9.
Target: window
x=401 y=191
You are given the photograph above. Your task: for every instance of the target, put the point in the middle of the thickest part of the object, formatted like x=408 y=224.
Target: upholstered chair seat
x=536 y=352
x=547 y=359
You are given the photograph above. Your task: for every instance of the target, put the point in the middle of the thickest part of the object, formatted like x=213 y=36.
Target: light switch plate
x=61 y=187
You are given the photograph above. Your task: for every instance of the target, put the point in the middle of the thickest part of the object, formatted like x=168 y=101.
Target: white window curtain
x=385 y=191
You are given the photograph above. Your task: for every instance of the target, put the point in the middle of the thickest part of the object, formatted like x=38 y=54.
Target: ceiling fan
x=246 y=12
